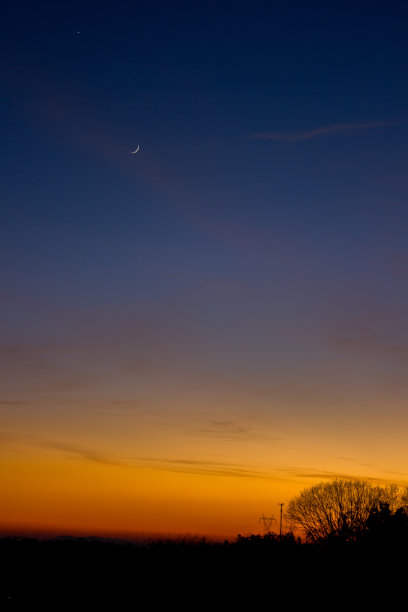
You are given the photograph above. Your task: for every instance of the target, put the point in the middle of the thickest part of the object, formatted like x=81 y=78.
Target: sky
x=193 y=333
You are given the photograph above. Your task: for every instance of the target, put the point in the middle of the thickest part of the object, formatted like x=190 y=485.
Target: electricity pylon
x=267 y=523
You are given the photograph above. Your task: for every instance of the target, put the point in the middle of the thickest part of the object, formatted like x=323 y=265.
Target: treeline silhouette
x=190 y=572
x=350 y=510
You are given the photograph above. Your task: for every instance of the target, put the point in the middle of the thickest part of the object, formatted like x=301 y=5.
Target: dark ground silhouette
x=194 y=573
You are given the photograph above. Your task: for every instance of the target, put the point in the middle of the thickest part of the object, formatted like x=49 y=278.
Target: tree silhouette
x=386 y=528
x=341 y=508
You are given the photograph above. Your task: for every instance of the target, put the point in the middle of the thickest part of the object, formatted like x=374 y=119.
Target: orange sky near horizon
x=93 y=474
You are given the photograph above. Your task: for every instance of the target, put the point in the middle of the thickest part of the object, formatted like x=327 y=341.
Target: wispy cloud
x=202 y=467
x=198 y=466
x=276 y=474
x=82 y=453
x=74 y=450
x=299 y=135
x=316 y=474
x=179 y=465
x=377 y=334
x=191 y=466
x=227 y=430
x=223 y=429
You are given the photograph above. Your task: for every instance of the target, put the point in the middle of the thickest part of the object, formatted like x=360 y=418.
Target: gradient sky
x=194 y=333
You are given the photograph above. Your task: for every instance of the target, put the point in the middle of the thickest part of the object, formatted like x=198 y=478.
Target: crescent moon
x=133 y=152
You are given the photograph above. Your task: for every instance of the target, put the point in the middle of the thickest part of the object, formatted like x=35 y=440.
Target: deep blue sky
x=191 y=82
x=204 y=201
x=250 y=261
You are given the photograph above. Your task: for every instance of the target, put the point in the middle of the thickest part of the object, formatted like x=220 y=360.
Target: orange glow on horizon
x=51 y=492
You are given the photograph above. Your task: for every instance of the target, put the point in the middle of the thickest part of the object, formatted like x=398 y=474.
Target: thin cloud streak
x=300 y=135
x=82 y=453
x=199 y=467
x=180 y=465
x=297 y=472
x=230 y=431
x=223 y=429
x=376 y=334
x=76 y=451
x=202 y=468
